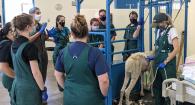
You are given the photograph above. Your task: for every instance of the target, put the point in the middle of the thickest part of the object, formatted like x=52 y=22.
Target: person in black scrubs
x=6 y=66
x=102 y=18
x=28 y=86
x=39 y=38
x=84 y=68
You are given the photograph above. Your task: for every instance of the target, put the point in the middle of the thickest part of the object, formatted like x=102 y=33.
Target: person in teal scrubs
x=60 y=35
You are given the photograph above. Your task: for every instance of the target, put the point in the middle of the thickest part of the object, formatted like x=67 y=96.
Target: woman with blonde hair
x=84 y=68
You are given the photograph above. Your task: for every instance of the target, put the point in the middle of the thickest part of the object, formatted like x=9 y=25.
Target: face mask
x=37 y=17
x=103 y=18
x=94 y=28
x=62 y=24
x=134 y=21
x=162 y=28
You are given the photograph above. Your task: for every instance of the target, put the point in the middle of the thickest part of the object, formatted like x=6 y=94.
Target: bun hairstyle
x=4 y=31
x=79 y=26
x=20 y=22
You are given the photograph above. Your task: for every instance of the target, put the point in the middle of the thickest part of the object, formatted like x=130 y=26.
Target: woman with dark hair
x=6 y=65
x=86 y=71
x=94 y=23
x=28 y=86
x=60 y=35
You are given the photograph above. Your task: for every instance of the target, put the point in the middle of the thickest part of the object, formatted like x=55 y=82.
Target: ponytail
x=4 y=31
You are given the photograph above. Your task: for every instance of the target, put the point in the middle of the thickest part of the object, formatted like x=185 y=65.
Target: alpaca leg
x=142 y=85
x=131 y=86
x=127 y=76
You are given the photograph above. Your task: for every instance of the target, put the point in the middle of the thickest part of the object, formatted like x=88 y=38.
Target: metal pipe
x=171 y=8
x=33 y=2
x=156 y=4
x=186 y=30
x=108 y=51
x=78 y=6
x=141 y=18
x=150 y=27
x=3 y=13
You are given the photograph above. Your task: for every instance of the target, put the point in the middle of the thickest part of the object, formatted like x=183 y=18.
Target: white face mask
x=94 y=28
x=37 y=17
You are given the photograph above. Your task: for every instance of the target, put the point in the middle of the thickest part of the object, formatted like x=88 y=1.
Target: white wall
x=191 y=30
x=120 y=17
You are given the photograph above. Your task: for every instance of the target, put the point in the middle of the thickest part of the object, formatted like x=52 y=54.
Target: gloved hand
x=161 y=66
x=51 y=32
x=43 y=28
x=44 y=95
x=150 y=58
x=141 y=22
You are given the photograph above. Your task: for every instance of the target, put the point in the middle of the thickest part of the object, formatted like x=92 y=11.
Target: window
x=176 y=5
x=16 y=7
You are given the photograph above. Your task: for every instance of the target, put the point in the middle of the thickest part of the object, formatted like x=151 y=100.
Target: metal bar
x=119 y=52
x=3 y=12
x=115 y=29
x=78 y=6
x=156 y=4
x=167 y=9
x=171 y=8
x=150 y=27
x=141 y=36
x=186 y=30
x=108 y=51
x=33 y=2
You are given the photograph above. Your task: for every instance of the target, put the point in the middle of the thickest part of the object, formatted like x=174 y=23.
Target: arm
x=7 y=70
x=34 y=37
x=137 y=31
x=174 y=52
x=37 y=74
x=104 y=83
x=60 y=77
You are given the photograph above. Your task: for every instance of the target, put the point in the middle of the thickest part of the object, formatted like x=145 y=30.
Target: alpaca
x=135 y=66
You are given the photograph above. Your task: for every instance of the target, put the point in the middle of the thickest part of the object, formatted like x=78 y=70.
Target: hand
x=102 y=50
x=43 y=28
x=141 y=22
x=44 y=95
x=51 y=32
x=161 y=66
x=150 y=58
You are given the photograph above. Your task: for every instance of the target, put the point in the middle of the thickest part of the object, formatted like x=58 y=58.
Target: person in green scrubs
x=166 y=49
x=6 y=65
x=131 y=35
x=28 y=86
x=81 y=69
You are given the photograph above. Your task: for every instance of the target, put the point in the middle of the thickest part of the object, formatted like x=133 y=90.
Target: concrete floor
x=55 y=97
